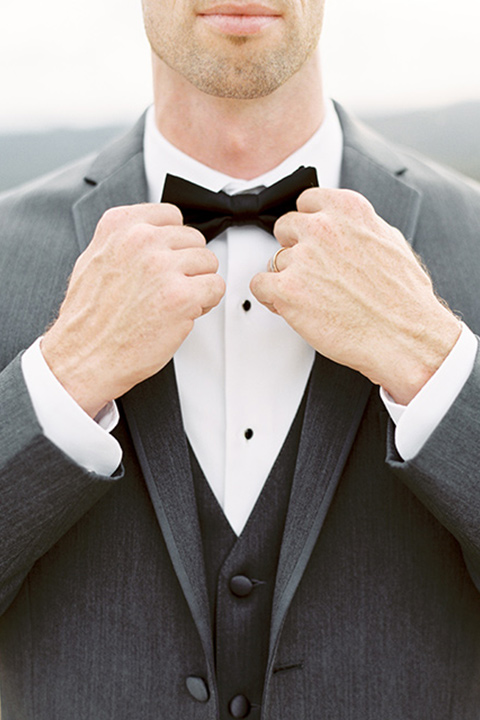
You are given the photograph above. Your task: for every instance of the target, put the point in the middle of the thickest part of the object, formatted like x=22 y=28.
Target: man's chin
x=251 y=90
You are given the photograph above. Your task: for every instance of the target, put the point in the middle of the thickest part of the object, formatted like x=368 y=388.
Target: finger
x=279 y=260
x=264 y=288
x=157 y=214
x=197 y=261
x=208 y=290
x=316 y=199
x=164 y=214
x=180 y=237
x=173 y=237
x=286 y=229
x=271 y=308
x=324 y=199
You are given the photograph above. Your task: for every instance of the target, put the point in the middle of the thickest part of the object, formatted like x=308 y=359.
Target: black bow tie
x=213 y=212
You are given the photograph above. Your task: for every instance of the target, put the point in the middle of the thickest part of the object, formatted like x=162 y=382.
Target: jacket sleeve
x=445 y=474
x=42 y=492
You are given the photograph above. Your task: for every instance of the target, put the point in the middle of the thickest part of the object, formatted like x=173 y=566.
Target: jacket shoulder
x=447 y=237
x=35 y=208
x=38 y=249
x=48 y=200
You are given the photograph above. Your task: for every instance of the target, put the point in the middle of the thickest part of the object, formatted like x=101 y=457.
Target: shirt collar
x=322 y=151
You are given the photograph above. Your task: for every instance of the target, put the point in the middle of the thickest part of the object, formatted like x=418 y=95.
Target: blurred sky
x=86 y=62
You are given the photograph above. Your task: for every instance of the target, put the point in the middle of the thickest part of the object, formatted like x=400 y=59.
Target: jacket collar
x=375 y=169
x=116 y=177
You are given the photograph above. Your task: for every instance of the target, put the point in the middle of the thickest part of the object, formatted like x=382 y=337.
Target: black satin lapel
x=153 y=414
x=336 y=400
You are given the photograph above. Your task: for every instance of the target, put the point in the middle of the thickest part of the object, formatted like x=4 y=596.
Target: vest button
x=239 y=706
x=198 y=688
x=241 y=586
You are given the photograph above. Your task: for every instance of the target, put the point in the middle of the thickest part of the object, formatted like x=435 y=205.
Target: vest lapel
x=152 y=409
x=337 y=395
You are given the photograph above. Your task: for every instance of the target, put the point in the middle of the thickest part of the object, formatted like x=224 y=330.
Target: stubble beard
x=252 y=78
x=252 y=75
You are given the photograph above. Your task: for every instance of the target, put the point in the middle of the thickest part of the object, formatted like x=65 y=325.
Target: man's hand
x=132 y=300
x=351 y=286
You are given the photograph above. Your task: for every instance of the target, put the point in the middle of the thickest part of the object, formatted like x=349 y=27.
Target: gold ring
x=273 y=260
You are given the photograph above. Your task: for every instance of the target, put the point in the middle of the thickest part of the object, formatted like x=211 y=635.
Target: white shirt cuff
x=416 y=421
x=87 y=442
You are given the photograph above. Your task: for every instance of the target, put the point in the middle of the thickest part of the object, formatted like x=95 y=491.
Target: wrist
x=73 y=371
x=421 y=355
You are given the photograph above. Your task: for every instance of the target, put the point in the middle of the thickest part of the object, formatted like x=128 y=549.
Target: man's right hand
x=132 y=299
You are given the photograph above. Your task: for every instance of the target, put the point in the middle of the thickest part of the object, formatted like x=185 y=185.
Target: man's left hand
x=352 y=287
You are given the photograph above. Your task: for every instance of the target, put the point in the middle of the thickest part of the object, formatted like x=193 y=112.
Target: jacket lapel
x=374 y=169
x=152 y=408
x=337 y=396
x=116 y=177
x=154 y=418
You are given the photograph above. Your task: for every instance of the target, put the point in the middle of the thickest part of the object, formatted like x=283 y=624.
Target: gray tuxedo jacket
x=104 y=610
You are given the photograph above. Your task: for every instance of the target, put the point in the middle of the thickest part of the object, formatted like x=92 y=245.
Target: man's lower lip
x=239 y=24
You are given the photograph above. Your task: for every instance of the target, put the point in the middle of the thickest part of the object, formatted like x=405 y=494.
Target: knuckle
x=196 y=310
x=290 y=298
x=195 y=236
x=255 y=284
x=284 y=222
x=357 y=201
x=286 y=284
x=319 y=224
x=289 y=218
x=155 y=266
x=213 y=261
x=113 y=217
x=212 y=292
x=303 y=254
x=219 y=285
x=170 y=214
x=310 y=196
x=204 y=260
x=177 y=294
x=140 y=234
x=291 y=284
x=312 y=192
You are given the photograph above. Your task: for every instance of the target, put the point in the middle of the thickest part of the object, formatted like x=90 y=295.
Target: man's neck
x=241 y=138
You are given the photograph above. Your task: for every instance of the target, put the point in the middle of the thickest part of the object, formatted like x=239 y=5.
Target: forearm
x=445 y=473
x=43 y=493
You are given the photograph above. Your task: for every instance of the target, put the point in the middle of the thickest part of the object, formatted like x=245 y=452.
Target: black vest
x=241 y=577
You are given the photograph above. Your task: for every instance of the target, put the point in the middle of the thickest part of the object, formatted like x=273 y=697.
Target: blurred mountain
x=24 y=156
x=449 y=135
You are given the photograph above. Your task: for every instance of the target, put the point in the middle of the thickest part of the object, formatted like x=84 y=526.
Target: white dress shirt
x=242 y=371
